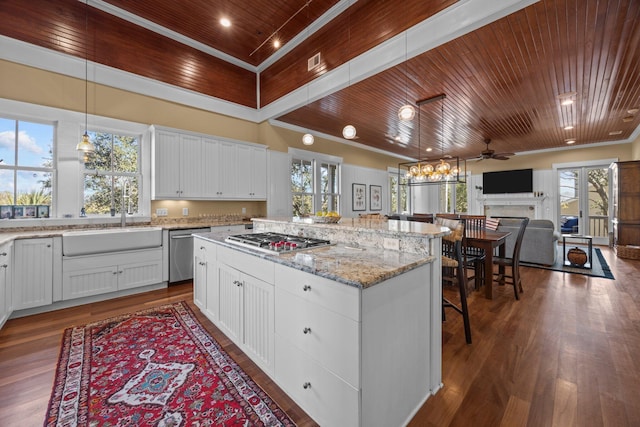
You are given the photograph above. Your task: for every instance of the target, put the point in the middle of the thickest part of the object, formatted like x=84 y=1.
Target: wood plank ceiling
x=502 y=81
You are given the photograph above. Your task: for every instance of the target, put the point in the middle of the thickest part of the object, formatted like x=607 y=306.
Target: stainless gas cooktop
x=275 y=243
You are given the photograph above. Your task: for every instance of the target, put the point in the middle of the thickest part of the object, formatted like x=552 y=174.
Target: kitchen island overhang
x=360 y=322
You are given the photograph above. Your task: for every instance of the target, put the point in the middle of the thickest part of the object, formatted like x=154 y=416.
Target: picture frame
x=375 y=197
x=359 y=197
x=18 y=211
x=43 y=211
x=6 y=211
x=30 y=211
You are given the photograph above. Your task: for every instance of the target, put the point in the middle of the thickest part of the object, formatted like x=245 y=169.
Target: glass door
x=584 y=202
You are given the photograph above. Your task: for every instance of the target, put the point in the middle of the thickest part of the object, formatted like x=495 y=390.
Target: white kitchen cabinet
x=252 y=173
x=5 y=282
x=342 y=351
x=177 y=165
x=103 y=273
x=219 y=169
x=239 y=299
x=246 y=314
x=33 y=273
x=205 y=283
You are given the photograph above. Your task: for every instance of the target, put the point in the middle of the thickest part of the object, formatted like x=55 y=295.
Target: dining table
x=488 y=240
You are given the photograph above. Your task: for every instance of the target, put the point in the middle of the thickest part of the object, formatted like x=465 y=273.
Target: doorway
x=583 y=201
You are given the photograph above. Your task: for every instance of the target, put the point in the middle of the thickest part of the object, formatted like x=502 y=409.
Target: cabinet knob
x=237 y=283
x=201 y=263
x=306 y=385
x=120 y=272
x=115 y=272
x=202 y=248
x=306 y=288
x=4 y=266
x=306 y=331
x=48 y=246
x=3 y=254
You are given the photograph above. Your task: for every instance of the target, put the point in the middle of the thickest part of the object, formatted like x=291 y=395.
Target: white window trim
x=317 y=159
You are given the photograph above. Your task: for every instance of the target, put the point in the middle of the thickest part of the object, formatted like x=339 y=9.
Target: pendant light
x=85 y=146
x=407 y=112
x=349 y=131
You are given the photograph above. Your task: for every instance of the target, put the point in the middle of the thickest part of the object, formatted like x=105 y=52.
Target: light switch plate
x=185 y=211
x=392 y=244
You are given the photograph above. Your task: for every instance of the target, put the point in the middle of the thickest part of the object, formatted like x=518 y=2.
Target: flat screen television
x=512 y=181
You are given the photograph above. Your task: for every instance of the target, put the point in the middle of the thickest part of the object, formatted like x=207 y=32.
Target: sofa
x=540 y=242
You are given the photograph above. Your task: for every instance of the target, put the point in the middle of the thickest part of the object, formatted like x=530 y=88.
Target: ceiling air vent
x=313 y=62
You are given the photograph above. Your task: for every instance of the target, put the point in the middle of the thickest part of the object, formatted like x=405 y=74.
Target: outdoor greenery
x=112 y=169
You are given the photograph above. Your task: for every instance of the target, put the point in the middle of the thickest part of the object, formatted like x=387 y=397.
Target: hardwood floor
x=566 y=354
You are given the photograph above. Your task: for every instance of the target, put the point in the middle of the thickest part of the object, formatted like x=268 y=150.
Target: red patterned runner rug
x=157 y=367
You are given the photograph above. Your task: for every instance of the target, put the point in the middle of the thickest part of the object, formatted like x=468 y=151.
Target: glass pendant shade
x=406 y=112
x=307 y=139
x=349 y=132
x=85 y=145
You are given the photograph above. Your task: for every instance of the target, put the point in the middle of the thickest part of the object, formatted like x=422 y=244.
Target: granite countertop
x=359 y=267
x=9 y=234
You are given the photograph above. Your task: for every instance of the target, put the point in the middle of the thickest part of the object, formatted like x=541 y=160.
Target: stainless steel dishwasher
x=181 y=253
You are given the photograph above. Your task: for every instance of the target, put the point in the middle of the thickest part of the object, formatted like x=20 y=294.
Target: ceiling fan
x=488 y=153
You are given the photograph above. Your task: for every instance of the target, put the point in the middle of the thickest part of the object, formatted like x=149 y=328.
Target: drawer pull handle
x=306 y=331
x=237 y=283
x=306 y=385
x=306 y=288
x=201 y=263
x=4 y=266
x=3 y=254
x=202 y=248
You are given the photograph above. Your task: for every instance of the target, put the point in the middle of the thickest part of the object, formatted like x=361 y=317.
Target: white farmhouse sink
x=87 y=242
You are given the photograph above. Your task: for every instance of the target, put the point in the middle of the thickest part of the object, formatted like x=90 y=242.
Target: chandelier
x=447 y=169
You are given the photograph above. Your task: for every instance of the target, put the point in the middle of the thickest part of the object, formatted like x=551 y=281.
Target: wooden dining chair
x=453 y=271
x=513 y=263
x=474 y=257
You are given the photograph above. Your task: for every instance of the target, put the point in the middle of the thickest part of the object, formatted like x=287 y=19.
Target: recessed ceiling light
x=276 y=43
x=429 y=149
x=633 y=110
x=568 y=127
x=615 y=132
x=225 y=22
x=627 y=119
x=567 y=102
x=570 y=141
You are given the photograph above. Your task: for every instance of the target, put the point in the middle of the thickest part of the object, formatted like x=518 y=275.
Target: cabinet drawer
x=329 y=338
x=327 y=399
x=249 y=264
x=334 y=296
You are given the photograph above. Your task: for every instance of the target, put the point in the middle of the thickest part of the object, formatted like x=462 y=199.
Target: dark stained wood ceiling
x=501 y=81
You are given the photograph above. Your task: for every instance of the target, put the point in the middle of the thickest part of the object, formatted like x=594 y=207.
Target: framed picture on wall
x=359 y=197
x=6 y=212
x=18 y=211
x=43 y=211
x=375 y=197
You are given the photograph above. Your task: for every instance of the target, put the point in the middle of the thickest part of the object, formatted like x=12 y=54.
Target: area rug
x=600 y=267
x=157 y=367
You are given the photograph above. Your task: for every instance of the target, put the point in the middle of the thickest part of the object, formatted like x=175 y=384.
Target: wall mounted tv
x=512 y=181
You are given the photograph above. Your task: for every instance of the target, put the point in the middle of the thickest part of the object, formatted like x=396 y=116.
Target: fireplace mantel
x=512 y=205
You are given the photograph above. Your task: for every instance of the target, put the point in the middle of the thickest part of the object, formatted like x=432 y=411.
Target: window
x=453 y=197
x=26 y=167
x=315 y=182
x=111 y=175
x=398 y=191
x=302 y=187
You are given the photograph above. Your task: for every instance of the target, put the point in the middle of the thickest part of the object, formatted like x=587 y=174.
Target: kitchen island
x=350 y=331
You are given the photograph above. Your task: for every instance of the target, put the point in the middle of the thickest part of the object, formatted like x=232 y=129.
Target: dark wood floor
x=566 y=354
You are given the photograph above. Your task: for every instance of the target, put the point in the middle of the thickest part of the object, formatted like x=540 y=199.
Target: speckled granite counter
x=412 y=236
x=10 y=234
x=362 y=267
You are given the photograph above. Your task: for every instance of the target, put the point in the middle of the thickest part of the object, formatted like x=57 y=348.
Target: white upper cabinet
x=193 y=167
x=252 y=173
x=177 y=166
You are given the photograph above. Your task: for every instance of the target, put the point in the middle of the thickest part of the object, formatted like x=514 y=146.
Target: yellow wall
x=36 y=86
x=202 y=208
